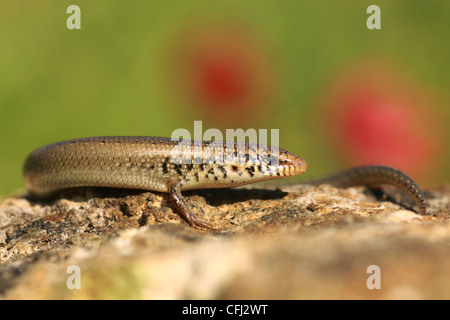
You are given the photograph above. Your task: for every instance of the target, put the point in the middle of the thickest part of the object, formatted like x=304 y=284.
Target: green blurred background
x=150 y=67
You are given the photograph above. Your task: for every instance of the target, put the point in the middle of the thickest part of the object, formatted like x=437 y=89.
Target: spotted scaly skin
x=164 y=165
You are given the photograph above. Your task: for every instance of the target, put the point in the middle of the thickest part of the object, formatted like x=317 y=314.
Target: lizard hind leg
x=182 y=207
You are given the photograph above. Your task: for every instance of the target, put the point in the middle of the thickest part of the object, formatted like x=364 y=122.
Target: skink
x=150 y=163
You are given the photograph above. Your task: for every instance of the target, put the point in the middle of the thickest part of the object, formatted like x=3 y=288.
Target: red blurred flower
x=224 y=72
x=374 y=117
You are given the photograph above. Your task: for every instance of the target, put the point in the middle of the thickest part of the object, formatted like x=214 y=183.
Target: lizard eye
x=269 y=159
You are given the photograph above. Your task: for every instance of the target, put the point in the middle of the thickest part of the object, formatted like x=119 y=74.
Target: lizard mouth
x=290 y=164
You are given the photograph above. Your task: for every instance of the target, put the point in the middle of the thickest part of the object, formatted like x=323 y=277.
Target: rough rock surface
x=293 y=242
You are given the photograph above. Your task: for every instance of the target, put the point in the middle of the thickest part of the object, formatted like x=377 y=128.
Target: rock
x=293 y=242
